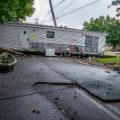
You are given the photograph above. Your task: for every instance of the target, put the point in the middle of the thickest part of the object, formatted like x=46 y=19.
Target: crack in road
x=107 y=108
x=29 y=94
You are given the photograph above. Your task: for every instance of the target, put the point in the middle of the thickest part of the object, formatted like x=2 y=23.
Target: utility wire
x=67 y=6
x=61 y=2
x=75 y=10
x=41 y=5
x=45 y=17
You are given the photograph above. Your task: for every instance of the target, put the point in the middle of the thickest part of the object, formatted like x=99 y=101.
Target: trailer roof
x=53 y=28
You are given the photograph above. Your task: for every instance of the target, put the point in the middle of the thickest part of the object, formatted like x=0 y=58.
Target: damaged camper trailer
x=34 y=37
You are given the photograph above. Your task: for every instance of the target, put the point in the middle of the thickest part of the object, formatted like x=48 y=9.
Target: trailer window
x=91 y=41
x=91 y=44
x=50 y=34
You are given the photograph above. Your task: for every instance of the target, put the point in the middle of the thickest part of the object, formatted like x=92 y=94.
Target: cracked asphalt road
x=22 y=97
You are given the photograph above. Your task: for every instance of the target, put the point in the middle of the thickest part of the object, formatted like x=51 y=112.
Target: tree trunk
x=114 y=47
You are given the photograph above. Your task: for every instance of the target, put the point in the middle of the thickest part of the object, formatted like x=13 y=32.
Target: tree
x=108 y=25
x=117 y=3
x=15 y=10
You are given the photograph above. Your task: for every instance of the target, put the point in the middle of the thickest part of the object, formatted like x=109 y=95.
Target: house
x=34 y=37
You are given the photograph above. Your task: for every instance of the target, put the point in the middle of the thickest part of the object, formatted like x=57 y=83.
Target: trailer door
x=91 y=44
x=24 y=38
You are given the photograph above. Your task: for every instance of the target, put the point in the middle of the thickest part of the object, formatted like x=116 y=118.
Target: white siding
x=64 y=37
x=9 y=37
x=61 y=37
x=102 y=44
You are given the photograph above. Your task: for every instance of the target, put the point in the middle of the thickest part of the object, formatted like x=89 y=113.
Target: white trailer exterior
x=40 y=37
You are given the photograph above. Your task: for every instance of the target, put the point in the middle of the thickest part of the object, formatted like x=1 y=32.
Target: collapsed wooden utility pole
x=53 y=14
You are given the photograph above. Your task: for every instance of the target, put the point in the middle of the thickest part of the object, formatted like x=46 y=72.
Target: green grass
x=115 y=60
x=108 y=53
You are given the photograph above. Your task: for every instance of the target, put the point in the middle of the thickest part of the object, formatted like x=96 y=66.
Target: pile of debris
x=92 y=61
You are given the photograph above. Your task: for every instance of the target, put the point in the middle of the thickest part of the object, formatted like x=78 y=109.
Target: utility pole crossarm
x=53 y=14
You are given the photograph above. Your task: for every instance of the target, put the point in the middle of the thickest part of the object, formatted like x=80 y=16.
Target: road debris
x=34 y=110
x=57 y=98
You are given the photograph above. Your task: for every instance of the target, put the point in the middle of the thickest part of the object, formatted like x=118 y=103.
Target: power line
x=45 y=17
x=61 y=2
x=42 y=1
x=75 y=10
x=58 y=4
x=67 y=6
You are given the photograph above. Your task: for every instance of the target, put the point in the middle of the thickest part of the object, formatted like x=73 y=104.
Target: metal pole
x=53 y=14
x=36 y=20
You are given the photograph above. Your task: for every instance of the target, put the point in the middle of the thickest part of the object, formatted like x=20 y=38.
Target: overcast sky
x=75 y=19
